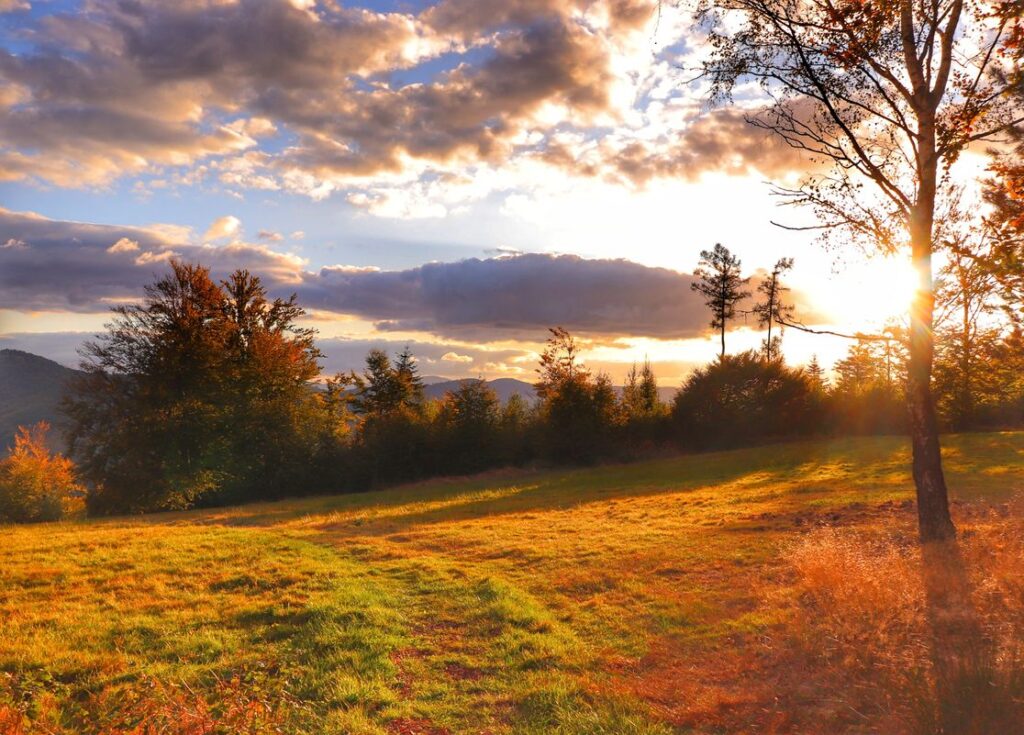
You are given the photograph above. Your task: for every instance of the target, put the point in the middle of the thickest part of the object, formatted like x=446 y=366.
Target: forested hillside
x=30 y=391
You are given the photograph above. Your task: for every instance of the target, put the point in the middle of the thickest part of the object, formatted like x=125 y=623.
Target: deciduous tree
x=197 y=394
x=883 y=97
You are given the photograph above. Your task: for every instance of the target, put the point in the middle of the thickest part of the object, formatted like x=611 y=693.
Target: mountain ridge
x=31 y=388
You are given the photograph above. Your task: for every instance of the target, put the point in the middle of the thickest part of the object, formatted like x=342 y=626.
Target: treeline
x=978 y=360
x=208 y=393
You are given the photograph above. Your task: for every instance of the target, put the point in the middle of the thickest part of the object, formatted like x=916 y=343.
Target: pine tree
x=774 y=309
x=640 y=392
x=817 y=374
x=720 y=283
x=410 y=385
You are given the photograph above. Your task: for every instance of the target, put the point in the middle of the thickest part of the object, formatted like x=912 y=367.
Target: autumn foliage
x=35 y=483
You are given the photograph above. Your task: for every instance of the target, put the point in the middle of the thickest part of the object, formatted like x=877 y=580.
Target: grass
x=767 y=590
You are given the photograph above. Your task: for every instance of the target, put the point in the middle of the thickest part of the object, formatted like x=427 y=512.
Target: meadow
x=776 y=589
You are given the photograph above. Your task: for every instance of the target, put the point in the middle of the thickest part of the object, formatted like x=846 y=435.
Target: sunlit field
x=776 y=589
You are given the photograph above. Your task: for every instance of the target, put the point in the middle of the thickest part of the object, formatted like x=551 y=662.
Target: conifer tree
x=720 y=283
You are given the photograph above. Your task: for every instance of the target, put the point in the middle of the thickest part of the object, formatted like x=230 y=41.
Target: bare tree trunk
x=934 y=522
x=723 y=306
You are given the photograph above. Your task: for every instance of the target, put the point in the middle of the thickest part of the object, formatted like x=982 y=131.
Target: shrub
x=35 y=484
x=742 y=399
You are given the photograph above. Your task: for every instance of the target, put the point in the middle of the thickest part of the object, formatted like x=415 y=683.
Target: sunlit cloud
x=223 y=227
x=315 y=106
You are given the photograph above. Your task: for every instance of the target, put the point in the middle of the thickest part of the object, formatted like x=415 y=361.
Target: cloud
x=124 y=245
x=723 y=141
x=270 y=235
x=129 y=87
x=70 y=266
x=343 y=354
x=455 y=357
x=222 y=227
x=149 y=258
x=515 y=297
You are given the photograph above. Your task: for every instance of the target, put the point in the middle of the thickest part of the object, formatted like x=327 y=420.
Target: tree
x=515 y=424
x=35 y=484
x=198 y=394
x=964 y=294
x=887 y=95
x=470 y=417
x=559 y=363
x=387 y=386
x=271 y=418
x=720 y=283
x=640 y=393
x=868 y=395
x=577 y=409
x=742 y=399
x=393 y=429
x=1005 y=190
x=774 y=309
x=145 y=418
x=1005 y=193
x=816 y=374
x=409 y=382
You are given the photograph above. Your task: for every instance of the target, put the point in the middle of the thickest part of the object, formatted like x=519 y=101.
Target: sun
x=891 y=289
x=871 y=293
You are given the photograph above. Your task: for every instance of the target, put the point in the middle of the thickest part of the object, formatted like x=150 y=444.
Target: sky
x=457 y=176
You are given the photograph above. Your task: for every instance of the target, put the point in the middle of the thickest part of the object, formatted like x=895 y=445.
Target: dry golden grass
x=757 y=591
x=913 y=639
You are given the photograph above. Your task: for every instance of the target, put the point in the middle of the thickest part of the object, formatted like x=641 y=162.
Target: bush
x=742 y=399
x=36 y=485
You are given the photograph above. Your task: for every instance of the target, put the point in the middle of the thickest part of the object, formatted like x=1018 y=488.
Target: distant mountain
x=505 y=388
x=667 y=393
x=30 y=390
x=432 y=379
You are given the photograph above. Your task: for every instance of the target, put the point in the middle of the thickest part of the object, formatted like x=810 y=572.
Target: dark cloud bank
x=69 y=266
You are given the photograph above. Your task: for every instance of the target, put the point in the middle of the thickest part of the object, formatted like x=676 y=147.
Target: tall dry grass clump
x=36 y=484
x=918 y=639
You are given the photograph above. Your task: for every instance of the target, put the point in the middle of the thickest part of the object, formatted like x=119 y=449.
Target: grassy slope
x=626 y=599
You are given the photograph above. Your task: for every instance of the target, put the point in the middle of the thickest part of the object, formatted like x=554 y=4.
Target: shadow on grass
x=856 y=462
x=972 y=693
x=818 y=475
